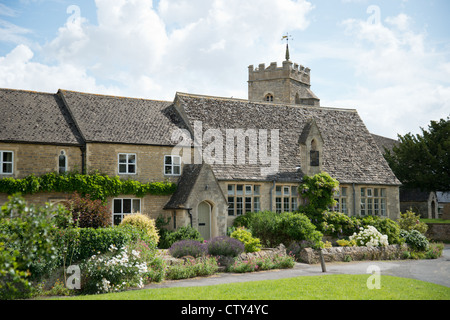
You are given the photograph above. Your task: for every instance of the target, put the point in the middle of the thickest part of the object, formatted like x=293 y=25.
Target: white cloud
x=178 y=46
x=18 y=71
x=399 y=77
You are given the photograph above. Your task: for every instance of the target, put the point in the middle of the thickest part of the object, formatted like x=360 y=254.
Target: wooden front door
x=204 y=220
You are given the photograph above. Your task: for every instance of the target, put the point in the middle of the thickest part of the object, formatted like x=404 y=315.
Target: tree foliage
x=422 y=161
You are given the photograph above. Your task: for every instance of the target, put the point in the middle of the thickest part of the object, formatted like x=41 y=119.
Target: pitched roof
x=113 y=119
x=185 y=185
x=350 y=153
x=443 y=197
x=35 y=117
x=384 y=142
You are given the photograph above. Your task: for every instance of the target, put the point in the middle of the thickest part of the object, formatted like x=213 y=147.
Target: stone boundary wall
x=225 y=261
x=438 y=232
x=345 y=254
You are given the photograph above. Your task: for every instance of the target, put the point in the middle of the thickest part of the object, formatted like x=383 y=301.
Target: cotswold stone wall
x=336 y=254
x=438 y=231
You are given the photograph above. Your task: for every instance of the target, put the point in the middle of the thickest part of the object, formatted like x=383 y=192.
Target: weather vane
x=287 y=37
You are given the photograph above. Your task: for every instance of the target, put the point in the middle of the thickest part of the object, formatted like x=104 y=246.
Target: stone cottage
x=227 y=156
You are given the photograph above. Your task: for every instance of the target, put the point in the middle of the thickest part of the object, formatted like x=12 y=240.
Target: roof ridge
x=27 y=91
x=262 y=102
x=113 y=96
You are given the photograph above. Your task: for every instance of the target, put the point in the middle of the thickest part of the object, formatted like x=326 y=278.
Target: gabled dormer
x=311 y=149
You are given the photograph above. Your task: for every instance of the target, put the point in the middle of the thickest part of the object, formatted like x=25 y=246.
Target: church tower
x=289 y=84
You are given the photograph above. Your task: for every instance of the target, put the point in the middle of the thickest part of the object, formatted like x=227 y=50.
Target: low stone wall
x=438 y=232
x=264 y=253
x=345 y=254
x=225 y=261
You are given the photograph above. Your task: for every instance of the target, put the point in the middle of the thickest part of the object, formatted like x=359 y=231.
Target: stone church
x=227 y=156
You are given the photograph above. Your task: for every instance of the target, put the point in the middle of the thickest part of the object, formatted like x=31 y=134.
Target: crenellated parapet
x=287 y=70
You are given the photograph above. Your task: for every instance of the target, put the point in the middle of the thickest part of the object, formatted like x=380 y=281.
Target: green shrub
x=182 y=233
x=78 y=244
x=225 y=246
x=274 y=229
x=410 y=221
x=416 y=240
x=161 y=224
x=337 y=224
x=244 y=220
x=14 y=282
x=251 y=244
x=26 y=236
x=143 y=223
x=385 y=226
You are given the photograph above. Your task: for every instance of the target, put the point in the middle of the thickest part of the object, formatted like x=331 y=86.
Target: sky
x=389 y=59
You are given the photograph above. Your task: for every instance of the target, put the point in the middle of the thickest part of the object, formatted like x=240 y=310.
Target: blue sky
x=390 y=60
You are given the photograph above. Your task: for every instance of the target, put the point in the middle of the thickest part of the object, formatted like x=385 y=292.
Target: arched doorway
x=204 y=220
x=433 y=210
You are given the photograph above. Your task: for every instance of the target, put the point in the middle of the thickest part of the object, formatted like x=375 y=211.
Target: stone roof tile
x=114 y=119
x=350 y=153
x=36 y=117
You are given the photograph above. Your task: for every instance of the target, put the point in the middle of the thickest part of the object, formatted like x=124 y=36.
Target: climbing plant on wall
x=96 y=185
x=319 y=190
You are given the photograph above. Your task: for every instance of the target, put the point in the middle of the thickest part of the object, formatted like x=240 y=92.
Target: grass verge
x=327 y=287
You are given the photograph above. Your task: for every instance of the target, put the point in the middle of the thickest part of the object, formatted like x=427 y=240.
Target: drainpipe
x=83 y=159
x=354 y=199
x=190 y=215
x=271 y=191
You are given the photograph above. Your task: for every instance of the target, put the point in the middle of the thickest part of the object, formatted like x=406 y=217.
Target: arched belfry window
x=269 y=97
x=314 y=154
x=62 y=162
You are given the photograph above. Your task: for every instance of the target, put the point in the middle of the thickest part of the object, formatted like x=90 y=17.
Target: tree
x=422 y=161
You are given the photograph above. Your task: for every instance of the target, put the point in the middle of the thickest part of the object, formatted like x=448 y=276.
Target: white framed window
x=286 y=198
x=373 y=202
x=172 y=165
x=122 y=207
x=6 y=162
x=243 y=198
x=341 y=201
x=62 y=162
x=127 y=163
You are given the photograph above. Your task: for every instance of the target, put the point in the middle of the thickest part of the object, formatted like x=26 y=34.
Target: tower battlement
x=290 y=70
x=288 y=84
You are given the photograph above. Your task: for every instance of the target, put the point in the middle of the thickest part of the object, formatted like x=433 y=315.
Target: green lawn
x=435 y=221
x=327 y=287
